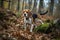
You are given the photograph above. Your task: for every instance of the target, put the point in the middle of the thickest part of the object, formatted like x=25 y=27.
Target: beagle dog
x=27 y=15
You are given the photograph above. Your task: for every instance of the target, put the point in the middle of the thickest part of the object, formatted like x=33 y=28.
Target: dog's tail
x=43 y=13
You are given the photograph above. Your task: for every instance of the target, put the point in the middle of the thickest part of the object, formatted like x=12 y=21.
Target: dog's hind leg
x=25 y=26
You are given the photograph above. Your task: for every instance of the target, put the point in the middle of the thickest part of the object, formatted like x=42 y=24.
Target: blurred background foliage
x=53 y=6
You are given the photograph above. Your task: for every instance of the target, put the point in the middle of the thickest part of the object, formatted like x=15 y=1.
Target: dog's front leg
x=25 y=26
x=25 y=23
x=31 y=29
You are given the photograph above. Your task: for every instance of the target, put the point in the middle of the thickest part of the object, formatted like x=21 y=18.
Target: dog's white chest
x=29 y=20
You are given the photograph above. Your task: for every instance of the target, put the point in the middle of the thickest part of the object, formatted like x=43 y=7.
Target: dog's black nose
x=24 y=14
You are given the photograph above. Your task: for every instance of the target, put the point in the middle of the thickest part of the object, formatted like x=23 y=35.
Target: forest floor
x=10 y=29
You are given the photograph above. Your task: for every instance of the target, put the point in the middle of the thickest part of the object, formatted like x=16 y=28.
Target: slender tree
x=1 y=3
x=21 y=5
x=56 y=12
x=50 y=9
x=18 y=5
x=5 y=4
x=41 y=3
x=26 y=4
x=9 y=5
x=18 y=8
x=34 y=8
x=14 y=5
x=32 y=5
x=37 y=7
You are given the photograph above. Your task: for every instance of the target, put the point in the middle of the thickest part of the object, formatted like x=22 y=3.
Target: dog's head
x=27 y=13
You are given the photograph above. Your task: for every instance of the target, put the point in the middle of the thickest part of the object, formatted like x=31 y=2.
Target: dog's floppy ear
x=30 y=13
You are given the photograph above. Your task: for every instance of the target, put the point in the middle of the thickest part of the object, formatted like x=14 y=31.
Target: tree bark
x=56 y=12
x=32 y=5
x=40 y=5
x=37 y=7
x=14 y=5
x=21 y=5
x=50 y=9
x=1 y=3
x=34 y=8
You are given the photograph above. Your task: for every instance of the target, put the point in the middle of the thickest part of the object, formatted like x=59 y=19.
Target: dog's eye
x=26 y=12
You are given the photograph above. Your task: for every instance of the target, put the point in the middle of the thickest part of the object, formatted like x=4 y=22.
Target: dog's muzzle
x=25 y=14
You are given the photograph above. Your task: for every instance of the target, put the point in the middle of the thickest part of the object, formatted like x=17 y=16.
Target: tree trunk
x=37 y=7
x=40 y=5
x=1 y=3
x=21 y=5
x=50 y=9
x=18 y=5
x=56 y=12
x=5 y=4
x=32 y=6
x=9 y=4
x=18 y=8
x=14 y=5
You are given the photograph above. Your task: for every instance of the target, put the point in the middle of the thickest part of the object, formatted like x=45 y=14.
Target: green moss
x=42 y=27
